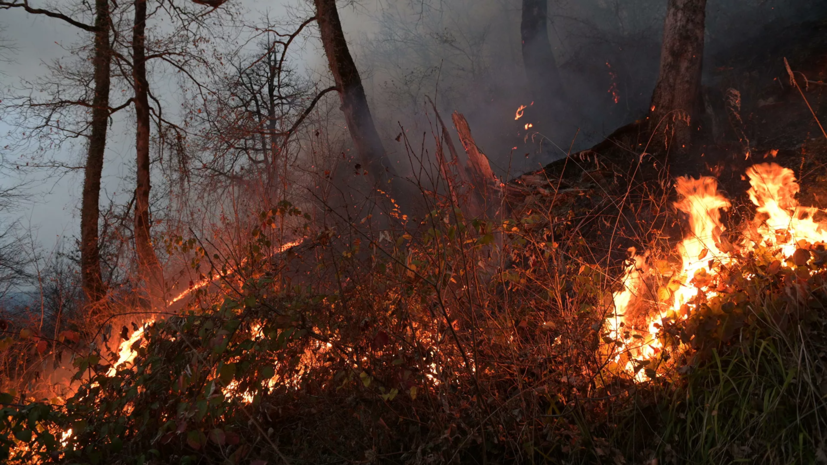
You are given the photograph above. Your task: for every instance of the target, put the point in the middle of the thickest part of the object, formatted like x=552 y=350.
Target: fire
x=207 y=281
x=520 y=112
x=780 y=224
x=780 y=219
x=126 y=353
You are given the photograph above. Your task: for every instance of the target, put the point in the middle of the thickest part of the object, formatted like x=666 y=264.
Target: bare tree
x=354 y=102
x=677 y=97
x=149 y=267
x=252 y=113
x=93 y=284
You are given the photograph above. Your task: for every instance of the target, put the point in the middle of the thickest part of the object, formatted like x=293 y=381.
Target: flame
x=206 y=281
x=780 y=220
x=520 y=112
x=126 y=353
x=780 y=224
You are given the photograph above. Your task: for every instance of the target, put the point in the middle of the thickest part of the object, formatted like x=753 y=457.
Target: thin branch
x=51 y=14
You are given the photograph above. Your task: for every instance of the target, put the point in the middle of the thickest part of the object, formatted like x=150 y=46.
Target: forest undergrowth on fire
x=448 y=339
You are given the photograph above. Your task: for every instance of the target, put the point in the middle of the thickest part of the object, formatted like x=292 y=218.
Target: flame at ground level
x=642 y=305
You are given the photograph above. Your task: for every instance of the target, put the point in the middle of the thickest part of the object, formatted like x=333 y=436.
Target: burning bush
x=458 y=339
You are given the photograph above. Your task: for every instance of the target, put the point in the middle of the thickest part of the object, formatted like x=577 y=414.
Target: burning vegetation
x=298 y=297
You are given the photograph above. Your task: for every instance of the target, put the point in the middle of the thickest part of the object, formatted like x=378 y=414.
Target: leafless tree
x=94 y=130
x=354 y=102
x=148 y=264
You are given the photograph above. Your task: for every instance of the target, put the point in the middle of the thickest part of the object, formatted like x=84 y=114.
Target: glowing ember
x=613 y=88
x=65 y=436
x=520 y=112
x=780 y=225
x=528 y=126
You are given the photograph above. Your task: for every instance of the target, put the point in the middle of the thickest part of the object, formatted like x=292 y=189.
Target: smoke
x=466 y=56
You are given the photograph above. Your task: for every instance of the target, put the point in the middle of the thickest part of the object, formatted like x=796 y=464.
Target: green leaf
x=217 y=436
x=227 y=373
x=201 y=405
x=366 y=379
x=24 y=435
x=267 y=373
x=196 y=439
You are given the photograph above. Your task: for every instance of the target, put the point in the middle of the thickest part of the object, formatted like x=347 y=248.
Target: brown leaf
x=71 y=335
x=774 y=267
x=167 y=438
x=801 y=257
x=381 y=340
x=42 y=346
x=703 y=254
x=232 y=438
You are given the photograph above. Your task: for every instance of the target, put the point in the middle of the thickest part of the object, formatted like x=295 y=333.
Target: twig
x=795 y=83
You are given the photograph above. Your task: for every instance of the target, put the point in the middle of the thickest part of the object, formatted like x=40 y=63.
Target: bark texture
x=478 y=172
x=91 y=279
x=148 y=265
x=677 y=102
x=368 y=144
x=538 y=58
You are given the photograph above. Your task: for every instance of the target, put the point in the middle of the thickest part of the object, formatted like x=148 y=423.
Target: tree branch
x=51 y=14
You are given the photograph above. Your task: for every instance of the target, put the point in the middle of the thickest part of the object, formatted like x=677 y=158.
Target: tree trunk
x=148 y=265
x=91 y=279
x=538 y=58
x=676 y=102
x=354 y=102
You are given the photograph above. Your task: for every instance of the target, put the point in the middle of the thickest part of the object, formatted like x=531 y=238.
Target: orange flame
x=781 y=225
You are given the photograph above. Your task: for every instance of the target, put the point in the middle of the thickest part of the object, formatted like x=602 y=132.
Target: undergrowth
x=466 y=341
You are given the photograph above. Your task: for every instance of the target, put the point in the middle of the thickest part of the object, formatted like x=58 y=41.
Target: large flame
x=641 y=305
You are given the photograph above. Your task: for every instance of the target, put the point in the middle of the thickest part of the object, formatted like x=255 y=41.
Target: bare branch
x=51 y=14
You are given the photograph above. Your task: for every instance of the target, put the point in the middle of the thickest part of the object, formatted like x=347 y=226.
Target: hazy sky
x=54 y=210
x=387 y=69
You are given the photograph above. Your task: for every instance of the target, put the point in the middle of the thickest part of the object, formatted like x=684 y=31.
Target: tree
x=251 y=113
x=93 y=284
x=149 y=268
x=360 y=124
x=677 y=97
x=538 y=58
